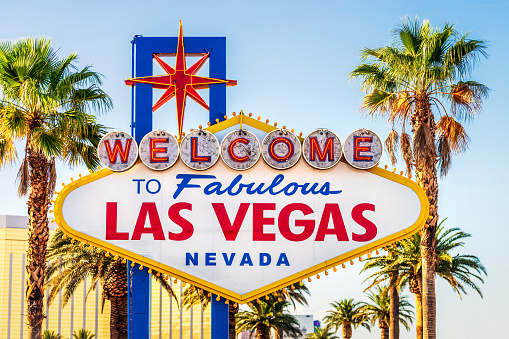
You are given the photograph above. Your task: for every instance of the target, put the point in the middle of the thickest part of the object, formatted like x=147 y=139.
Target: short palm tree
x=322 y=333
x=295 y=293
x=459 y=270
x=265 y=316
x=44 y=102
x=51 y=335
x=409 y=82
x=83 y=334
x=379 y=310
x=346 y=314
x=71 y=262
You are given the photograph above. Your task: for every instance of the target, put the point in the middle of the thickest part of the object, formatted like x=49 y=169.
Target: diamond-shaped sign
x=241 y=234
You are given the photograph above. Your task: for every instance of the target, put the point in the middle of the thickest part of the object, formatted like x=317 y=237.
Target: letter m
x=191 y=259
x=314 y=149
x=117 y=149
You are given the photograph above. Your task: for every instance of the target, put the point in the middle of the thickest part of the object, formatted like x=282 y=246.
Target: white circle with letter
x=200 y=150
x=321 y=149
x=240 y=150
x=281 y=149
x=118 y=151
x=363 y=149
x=159 y=150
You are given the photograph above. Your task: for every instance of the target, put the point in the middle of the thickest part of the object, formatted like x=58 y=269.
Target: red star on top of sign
x=180 y=82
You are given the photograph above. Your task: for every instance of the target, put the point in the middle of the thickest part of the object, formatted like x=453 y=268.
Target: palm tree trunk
x=115 y=290
x=385 y=329
x=426 y=172
x=233 y=309
x=346 y=330
x=38 y=234
x=418 y=315
x=262 y=332
x=118 y=318
x=280 y=333
x=394 y=305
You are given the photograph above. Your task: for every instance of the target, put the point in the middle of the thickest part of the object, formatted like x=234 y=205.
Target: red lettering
x=111 y=223
x=357 y=149
x=194 y=152
x=284 y=222
x=339 y=229
x=230 y=230
x=154 y=150
x=148 y=209
x=285 y=157
x=370 y=228
x=259 y=221
x=187 y=227
x=232 y=153
x=117 y=149
x=314 y=149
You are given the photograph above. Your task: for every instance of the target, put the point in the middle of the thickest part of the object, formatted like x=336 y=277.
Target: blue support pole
x=142 y=124
x=219 y=318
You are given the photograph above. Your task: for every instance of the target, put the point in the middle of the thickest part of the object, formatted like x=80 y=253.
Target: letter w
x=230 y=231
x=117 y=149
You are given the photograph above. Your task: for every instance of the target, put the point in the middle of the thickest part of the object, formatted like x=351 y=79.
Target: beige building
x=168 y=320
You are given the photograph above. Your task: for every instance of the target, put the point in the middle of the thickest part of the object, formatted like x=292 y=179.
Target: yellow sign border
x=242 y=298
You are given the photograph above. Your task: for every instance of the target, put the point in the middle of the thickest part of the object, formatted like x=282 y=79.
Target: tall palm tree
x=70 y=263
x=44 y=102
x=295 y=294
x=459 y=270
x=265 y=316
x=345 y=314
x=409 y=83
x=322 y=333
x=380 y=310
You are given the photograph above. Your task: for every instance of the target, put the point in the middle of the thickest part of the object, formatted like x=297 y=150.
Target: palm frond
x=406 y=151
x=391 y=146
x=467 y=99
x=23 y=178
x=444 y=154
x=454 y=132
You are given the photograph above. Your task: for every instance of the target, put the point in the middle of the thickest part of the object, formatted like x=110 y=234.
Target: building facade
x=168 y=319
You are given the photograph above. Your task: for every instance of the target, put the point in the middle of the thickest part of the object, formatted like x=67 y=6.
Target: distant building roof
x=18 y=221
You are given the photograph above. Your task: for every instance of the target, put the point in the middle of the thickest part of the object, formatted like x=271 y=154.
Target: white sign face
x=118 y=151
x=241 y=235
x=363 y=149
x=200 y=150
x=281 y=149
x=240 y=150
x=159 y=150
x=321 y=149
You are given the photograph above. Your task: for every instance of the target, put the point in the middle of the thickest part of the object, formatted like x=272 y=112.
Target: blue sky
x=291 y=60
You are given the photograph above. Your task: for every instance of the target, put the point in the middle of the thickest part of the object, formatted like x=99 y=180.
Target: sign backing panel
x=207 y=258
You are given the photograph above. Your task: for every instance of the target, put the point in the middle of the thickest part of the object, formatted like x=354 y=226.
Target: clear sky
x=292 y=60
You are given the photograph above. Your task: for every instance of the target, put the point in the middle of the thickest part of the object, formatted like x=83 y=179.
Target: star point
x=180 y=82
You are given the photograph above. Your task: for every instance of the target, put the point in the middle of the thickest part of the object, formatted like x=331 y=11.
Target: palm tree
x=295 y=293
x=70 y=263
x=265 y=316
x=380 y=310
x=83 y=334
x=409 y=82
x=459 y=270
x=322 y=333
x=345 y=314
x=44 y=102
x=51 y=335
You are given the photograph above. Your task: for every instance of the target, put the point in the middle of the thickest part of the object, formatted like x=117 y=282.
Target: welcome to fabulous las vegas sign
x=241 y=208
